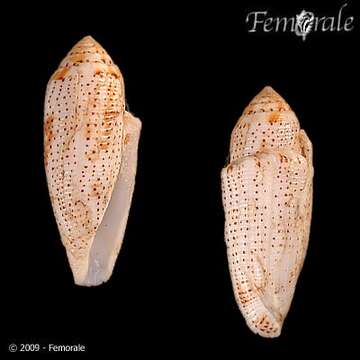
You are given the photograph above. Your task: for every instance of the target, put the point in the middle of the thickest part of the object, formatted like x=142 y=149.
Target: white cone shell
x=267 y=198
x=90 y=152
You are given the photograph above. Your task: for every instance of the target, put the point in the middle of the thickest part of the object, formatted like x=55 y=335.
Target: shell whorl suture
x=90 y=154
x=267 y=198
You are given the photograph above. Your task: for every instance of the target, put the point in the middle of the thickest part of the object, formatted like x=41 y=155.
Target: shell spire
x=90 y=153
x=87 y=50
x=269 y=93
x=267 y=100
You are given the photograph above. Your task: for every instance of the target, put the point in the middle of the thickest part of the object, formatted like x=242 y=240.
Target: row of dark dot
x=255 y=241
x=83 y=51
x=58 y=130
x=237 y=151
x=105 y=95
x=279 y=136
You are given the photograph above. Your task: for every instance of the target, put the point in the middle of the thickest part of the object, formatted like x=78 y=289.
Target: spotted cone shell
x=90 y=153
x=267 y=198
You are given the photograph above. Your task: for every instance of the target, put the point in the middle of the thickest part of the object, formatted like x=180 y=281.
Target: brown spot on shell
x=244 y=297
x=249 y=109
x=96 y=189
x=77 y=58
x=110 y=114
x=273 y=117
x=114 y=71
x=60 y=74
x=49 y=136
x=283 y=158
x=103 y=145
x=262 y=320
x=229 y=169
x=93 y=154
x=127 y=139
x=292 y=274
x=106 y=131
x=100 y=69
x=244 y=294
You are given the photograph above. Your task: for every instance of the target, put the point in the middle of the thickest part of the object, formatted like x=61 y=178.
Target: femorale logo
x=301 y=24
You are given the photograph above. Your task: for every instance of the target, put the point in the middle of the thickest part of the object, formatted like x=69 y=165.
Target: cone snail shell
x=90 y=153
x=267 y=199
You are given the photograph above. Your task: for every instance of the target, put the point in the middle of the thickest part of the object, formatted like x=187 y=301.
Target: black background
x=189 y=73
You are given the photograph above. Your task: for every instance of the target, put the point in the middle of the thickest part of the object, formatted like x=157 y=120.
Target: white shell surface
x=267 y=198
x=90 y=152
